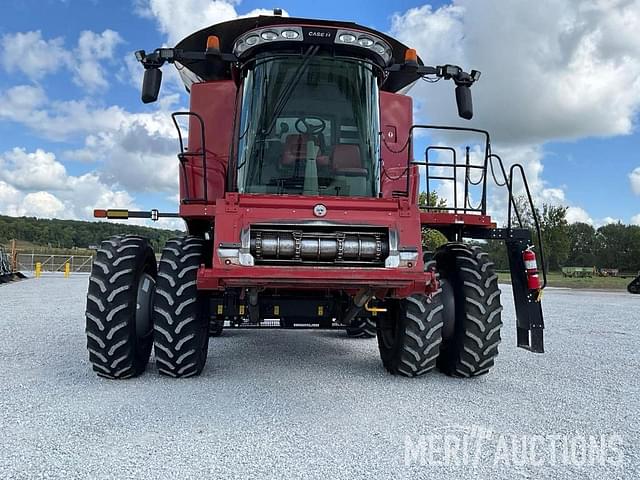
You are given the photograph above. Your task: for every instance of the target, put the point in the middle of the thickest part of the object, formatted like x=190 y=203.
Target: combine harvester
x=299 y=190
x=8 y=266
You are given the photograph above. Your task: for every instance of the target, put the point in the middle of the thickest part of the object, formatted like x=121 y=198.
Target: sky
x=560 y=93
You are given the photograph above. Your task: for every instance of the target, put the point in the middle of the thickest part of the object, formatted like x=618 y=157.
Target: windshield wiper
x=286 y=92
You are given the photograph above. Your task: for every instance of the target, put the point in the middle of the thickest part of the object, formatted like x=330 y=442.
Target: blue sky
x=562 y=99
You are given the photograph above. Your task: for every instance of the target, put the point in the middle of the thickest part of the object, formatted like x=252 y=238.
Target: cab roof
x=228 y=33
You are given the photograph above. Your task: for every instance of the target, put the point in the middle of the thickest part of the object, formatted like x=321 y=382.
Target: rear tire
x=119 y=302
x=410 y=334
x=181 y=313
x=362 y=327
x=474 y=345
x=216 y=326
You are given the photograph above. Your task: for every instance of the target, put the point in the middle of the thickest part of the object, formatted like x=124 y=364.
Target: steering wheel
x=310 y=125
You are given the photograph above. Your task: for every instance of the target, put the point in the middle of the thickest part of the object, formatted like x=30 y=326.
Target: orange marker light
x=213 y=43
x=100 y=214
x=411 y=56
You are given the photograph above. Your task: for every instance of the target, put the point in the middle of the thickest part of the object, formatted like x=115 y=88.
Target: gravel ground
x=315 y=404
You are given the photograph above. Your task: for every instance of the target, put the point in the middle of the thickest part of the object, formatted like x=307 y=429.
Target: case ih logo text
x=319 y=34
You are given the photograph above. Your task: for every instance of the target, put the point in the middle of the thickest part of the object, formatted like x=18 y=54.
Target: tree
x=583 y=245
x=619 y=247
x=431 y=200
x=554 y=227
x=431 y=238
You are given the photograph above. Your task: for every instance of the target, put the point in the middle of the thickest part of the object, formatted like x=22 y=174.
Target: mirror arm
x=171 y=55
x=446 y=72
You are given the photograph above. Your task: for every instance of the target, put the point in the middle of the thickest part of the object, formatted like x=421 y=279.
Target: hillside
x=34 y=233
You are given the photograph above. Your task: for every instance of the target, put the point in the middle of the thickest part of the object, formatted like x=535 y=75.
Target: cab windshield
x=309 y=126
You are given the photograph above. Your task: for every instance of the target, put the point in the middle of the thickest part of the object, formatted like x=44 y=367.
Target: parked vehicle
x=299 y=189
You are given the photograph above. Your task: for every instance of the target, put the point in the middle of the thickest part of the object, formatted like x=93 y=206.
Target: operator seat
x=295 y=150
x=349 y=174
x=346 y=160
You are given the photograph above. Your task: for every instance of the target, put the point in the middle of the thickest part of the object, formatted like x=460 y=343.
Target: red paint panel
x=215 y=103
x=400 y=282
x=237 y=212
x=438 y=219
x=396 y=118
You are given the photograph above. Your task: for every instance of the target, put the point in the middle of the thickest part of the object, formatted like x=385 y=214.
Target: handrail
x=505 y=183
x=487 y=152
x=183 y=155
x=536 y=223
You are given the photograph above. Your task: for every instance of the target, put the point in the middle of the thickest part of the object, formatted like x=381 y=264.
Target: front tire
x=181 y=313
x=119 y=302
x=473 y=348
x=410 y=334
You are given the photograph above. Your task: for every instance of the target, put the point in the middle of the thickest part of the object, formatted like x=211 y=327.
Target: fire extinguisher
x=531 y=269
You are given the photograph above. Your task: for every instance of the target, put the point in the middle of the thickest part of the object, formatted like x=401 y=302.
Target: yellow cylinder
x=38 y=269
x=67 y=270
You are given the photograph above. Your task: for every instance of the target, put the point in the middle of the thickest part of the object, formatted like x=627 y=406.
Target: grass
x=556 y=279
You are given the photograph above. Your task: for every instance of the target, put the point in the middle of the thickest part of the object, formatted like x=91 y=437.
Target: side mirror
x=465 y=104
x=151 y=84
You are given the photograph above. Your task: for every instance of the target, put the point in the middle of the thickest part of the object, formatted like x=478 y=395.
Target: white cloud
x=138 y=153
x=635 y=220
x=135 y=150
x=608 y=220
x=88 y=192
x=131 y=72
x=26 y=190
x=191 y=15
x=141 y=157
x=578 y=214
x=565 y=71
x=36 y=57
x=60 y=120
x=56 y=120
x=634 y=178
x=92 y=50
x=32 y=171
x=32 y=55
x=177 y=22
x=8 y=197
x=42 y=204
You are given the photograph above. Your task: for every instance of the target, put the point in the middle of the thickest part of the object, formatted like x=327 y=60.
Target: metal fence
x=54 y=263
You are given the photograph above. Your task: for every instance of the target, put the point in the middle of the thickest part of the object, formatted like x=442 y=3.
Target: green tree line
x=71 y=234
x=615 y=245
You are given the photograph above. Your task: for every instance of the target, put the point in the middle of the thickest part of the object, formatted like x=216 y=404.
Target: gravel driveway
x=315 y=404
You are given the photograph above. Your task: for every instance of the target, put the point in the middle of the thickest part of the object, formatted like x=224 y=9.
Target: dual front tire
x=419 y=334
x=134 y=305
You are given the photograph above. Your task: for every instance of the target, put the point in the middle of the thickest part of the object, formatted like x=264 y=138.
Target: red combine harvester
x=300 y=195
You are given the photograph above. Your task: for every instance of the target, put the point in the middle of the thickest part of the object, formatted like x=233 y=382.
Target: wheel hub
x=144 y=305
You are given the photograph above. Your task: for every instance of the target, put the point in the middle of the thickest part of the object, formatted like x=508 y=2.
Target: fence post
x=14 y=256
